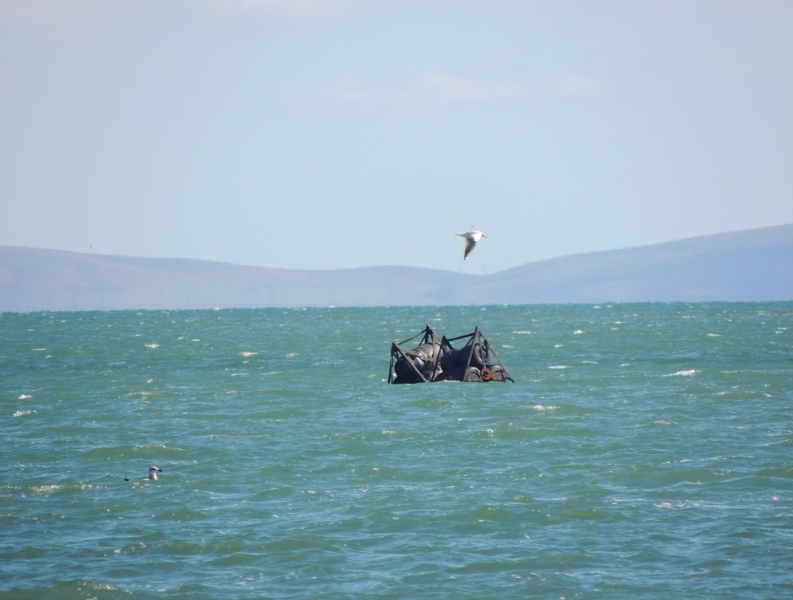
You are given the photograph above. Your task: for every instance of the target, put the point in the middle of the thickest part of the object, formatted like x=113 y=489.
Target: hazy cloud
x=776 y=6
x=427 y=87
x=89 y=19
x=46 y=20
x=739 y=61
x=352 y=91
x=61 y=20
x=574 y=85
x=444 y=87
x=302 y=8
x=448 y=88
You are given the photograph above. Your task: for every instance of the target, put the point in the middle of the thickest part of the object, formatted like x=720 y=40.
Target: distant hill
x=749 y=265
x=740 y=266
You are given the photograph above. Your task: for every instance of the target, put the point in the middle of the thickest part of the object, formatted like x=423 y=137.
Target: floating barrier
x=436 y=359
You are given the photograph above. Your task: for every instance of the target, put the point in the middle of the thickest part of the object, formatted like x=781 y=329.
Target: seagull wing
x=469 y=246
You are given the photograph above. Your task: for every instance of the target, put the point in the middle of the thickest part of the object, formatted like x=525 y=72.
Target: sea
x=643 y=451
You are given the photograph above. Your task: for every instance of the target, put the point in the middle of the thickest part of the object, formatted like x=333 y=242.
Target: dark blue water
x=645 y=451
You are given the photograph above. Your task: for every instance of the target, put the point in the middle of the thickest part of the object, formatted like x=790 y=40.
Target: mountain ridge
x=746 y=265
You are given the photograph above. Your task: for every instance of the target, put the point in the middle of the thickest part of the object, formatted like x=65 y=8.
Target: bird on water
x=471 y=238
x=152 y=473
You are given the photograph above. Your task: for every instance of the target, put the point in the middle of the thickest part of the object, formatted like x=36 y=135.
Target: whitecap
x=541 y=408
x=506 y=346
x=677 y=505
x=22 y=413
x=714 y=335
x=133 y=394
x=25 y=396
x=291 y=355
x=248 y=353
x=682 y=373
x=558 y=345
x=559 y=367
x=578 y=332
x=163 y=446
x=522 y=332
x=152 y=346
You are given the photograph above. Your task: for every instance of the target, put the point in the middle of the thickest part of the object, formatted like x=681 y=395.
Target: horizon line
x=397 y=266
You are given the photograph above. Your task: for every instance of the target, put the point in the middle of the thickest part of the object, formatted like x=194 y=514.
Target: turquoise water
x=645 y=451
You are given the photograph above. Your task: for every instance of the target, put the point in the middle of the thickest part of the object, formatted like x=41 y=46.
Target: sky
x=326 y=134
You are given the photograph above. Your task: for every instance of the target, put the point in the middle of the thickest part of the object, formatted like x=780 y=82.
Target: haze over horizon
x=584 y=255
x=342 y=134
x=751 y=265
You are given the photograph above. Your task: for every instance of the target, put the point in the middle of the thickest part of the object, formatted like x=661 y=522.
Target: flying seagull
x=152 y=473
x=471 y=238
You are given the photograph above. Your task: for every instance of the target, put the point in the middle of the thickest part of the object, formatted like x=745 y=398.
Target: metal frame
x=430 y=335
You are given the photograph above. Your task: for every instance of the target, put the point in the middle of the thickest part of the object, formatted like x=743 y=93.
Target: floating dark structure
x=435 y=359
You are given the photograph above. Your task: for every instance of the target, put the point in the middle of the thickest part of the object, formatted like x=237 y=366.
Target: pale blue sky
x=330 y=134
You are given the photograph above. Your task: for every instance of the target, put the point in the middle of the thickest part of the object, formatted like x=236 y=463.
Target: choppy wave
x=291 y=469
x=686 y=373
